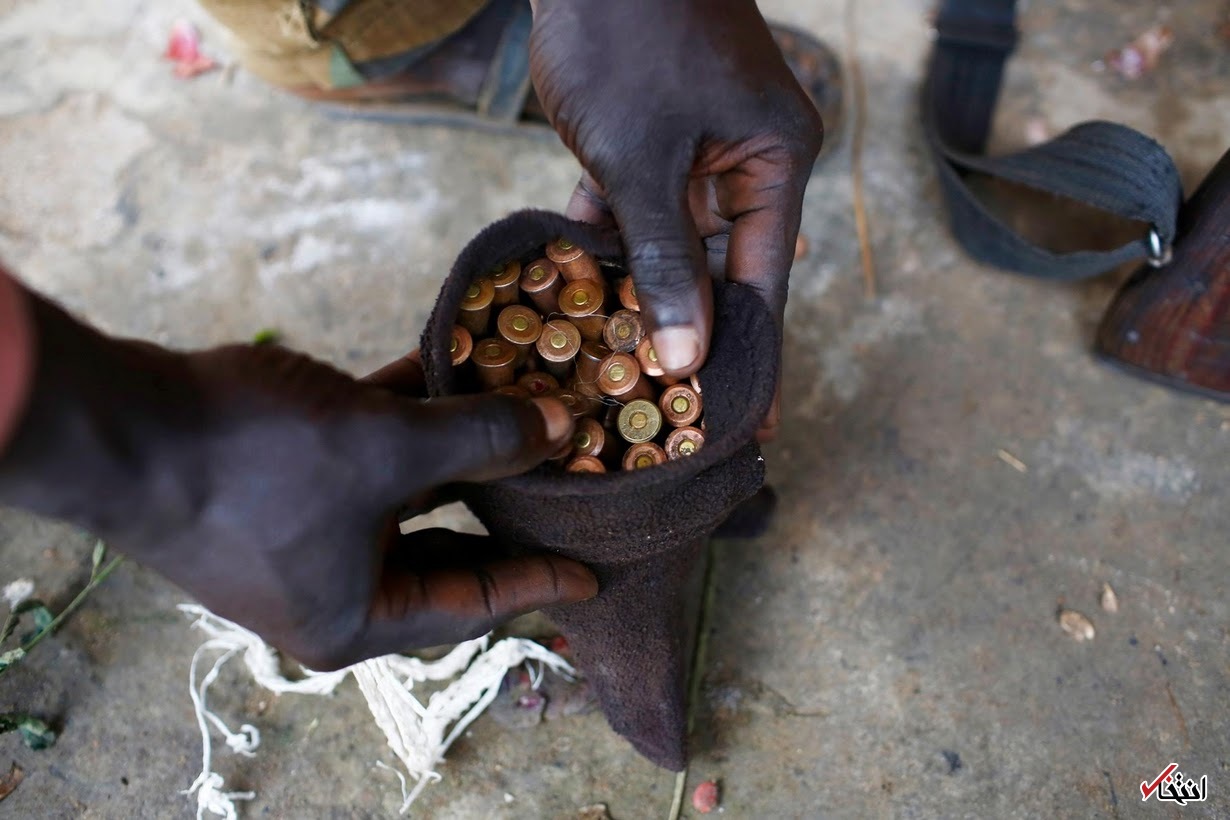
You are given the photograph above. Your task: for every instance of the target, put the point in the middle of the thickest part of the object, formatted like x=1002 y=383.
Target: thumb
x=484 y=437
x=667 y=262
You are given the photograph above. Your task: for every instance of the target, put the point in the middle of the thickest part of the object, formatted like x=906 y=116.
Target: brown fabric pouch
x=640 y=531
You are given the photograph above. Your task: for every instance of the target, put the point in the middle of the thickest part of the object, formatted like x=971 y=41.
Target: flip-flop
x=1171 y=324
x=505 y=100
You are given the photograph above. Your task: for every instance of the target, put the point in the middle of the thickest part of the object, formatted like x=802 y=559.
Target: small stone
x=706 y=797
x=1141 y=56
x=1110 y=601
x=1076 y=625
x=559 y=645
x=594 y=811
x=10 y=781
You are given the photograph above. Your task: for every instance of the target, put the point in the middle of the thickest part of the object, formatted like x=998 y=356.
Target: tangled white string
x=419 y=734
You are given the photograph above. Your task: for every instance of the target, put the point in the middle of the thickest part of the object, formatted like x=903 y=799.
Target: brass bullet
x=460 y=346
x=646 y=454
x=558 y=345
x=591 y=439
x=639 y=421
x=585 y=464
x=520 y=326
x=578 y=403
x=582 y=302
x=475 y=313
x=620 y=376
x=573 y=262
x=647 y=358
x=684 y=442
x=589 y=362
x=680 y=405
x=493 y=359
x=623 y=331
x=506 y=280
x=514 y=390
x=542 y=283
x=627 y=294
x=538 y=383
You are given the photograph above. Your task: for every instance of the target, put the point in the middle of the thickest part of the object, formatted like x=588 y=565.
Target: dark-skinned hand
x=696 y=140
x=268 y=486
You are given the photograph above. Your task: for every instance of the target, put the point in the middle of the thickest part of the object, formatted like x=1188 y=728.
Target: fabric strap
x=1102 y=164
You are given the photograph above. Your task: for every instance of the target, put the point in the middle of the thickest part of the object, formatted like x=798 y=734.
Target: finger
x=483 y=437
x=665 y=258
x=436 y=548
x=455 y=604
x=764 y=198
x=403 y=376
x=587 y=204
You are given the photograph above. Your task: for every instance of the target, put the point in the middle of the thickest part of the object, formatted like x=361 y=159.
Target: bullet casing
x=475 y=312
x=591 y=439
x=573 y=262
x=647 y=358
x=514 y=390
x=558 y=346
x=520 y=326
x=494 y=362
x=589 y=362
x=542 y=283
x=681 y=406
x=538 y=383
x=627 y=294
x=582 y=302
x=461 y=345
x=580 y=406
x=639 y=421
x=683 y=442
x=619 y=376
x=645 y=454
x=506 y=281
x=585 y=464
x=623 y=331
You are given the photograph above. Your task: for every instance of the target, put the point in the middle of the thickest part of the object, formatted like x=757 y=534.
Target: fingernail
x=578 y=581
x=557 y=418
x=677 y=347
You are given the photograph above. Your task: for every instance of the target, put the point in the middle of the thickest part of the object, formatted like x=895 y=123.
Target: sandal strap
x=507 y=85
x=1102 y=164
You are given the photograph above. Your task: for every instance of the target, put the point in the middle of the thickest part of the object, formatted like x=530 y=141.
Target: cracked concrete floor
x=889 y=649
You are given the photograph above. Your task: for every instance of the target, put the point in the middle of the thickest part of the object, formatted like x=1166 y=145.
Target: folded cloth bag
x=640 y=531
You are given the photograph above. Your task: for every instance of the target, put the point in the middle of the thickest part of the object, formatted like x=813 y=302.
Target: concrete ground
x=890 y=648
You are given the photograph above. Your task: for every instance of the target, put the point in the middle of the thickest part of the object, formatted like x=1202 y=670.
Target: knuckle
x=489 y=592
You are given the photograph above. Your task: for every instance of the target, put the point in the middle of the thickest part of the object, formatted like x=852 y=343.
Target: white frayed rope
x=419 y=734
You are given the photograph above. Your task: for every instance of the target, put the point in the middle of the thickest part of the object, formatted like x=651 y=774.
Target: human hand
x=268 y=486
x=696 y=140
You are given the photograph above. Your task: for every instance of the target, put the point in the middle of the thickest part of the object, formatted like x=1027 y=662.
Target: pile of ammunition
x=558 y=327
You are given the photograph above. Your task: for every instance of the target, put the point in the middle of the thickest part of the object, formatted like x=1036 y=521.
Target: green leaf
x=267 y=336
x=100 y=550
x=10 y=625
x=42 y=618
x=11 y=657
x=36 y=734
